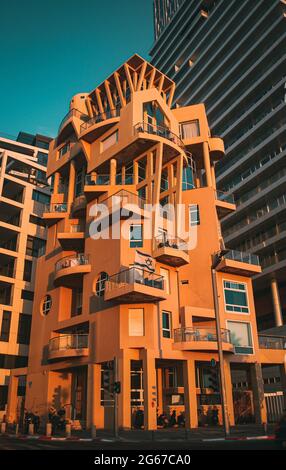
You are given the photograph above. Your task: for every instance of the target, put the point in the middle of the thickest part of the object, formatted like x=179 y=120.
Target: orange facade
x=95 y=319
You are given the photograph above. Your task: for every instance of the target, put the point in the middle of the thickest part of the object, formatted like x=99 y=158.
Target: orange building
x=99 y=318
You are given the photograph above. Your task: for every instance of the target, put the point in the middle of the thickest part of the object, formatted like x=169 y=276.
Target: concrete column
x=94 y=417
x=257 y=384
x=71 y=183
x=213 y=175
x=276 y=303
x=12 y=399
x=124 y=398
x=207 y=164
x=229 y=396
x=3 y=170
x=150 y=391
x=56 y=182
x=190 y=394
x=160 y=391
x=113 y=165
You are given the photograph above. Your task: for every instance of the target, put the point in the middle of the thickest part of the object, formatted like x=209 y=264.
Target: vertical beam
x=207 y=165
x=113 y=166
x=260 y=412
x=88 y=105
x=124 y=399
x=213 y=175
x=3 y=170
x=152 y=77
x=141 y=76
x=94 y=416
x=99 y=101
x=128 y=76
x=56 y=182
x=276 y=303
x=171 y=95
x=119 y=89
x=228 y=392
x=71 y=189
x=12 y=399
x=190 y=394
x=161 y=82
x=109 y=97
x=150 y=390
x=178 y=200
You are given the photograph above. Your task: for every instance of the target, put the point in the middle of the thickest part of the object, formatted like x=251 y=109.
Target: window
x=100 y=284
x=42 y=158
x=5 y=327
x=76 y=302
x=40 y=197
x=37 y=221
x=165 y=273
x=27 y=270
x=64 y=149
x=46 y=304
x=194 y=215
x=79 y=182
x=136 y=385
x=240 y=336
x=27 y=295
x=136 y=321
x=35 y=246
x=142 y=192
x=166 y=324
x=170 y=377
x=190 y=129
x=24 y=329
x=136 y=236
x=142 y=168
x=109 y=141
x=235 y=297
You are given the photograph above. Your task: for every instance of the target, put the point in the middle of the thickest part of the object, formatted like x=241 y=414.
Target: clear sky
x=52 y=49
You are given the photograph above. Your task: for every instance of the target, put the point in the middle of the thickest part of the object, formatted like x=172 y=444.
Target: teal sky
x=52 y=49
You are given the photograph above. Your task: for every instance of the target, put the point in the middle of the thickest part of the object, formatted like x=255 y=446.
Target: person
x=61 y=418
x=139 y=419
x=181 y=419
x=215 y=416
x=36 y=422
x=173 y=419
x=27 y=421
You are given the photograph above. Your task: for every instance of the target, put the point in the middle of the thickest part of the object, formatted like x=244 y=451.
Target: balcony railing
x=57 y=207
x=165 y=241
x=66 y=342
x=272 y=342
x=126 y=197
x=225 y=197
x=135 y=275
x=77 y=228
x=111 y=113
x=248 y=258
x=72 y=261
x=200 y=334
x=94 y=180
x=160 y=131
x=70 y=113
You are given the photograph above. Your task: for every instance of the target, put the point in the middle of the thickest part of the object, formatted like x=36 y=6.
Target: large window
x=235 y=297
x=109 y=141
x=194 y=215
x=100 y=284
x=136 y=321
x=241 y=337
x=190 y=129
x=136 y=236
x=5 y=327
x=40 y=197
x=24 y=329
x=35 y=246
x=167 y=324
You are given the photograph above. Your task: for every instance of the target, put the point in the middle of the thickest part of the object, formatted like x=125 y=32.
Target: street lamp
x=216 y=259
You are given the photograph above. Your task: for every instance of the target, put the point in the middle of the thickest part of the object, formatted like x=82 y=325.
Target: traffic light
x=117 y=387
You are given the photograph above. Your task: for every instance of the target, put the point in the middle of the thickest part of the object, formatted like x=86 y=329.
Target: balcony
x=79 y=206
x=198 y=339
x=69 y=116
x=55 y=212
x=121 y=202
x=224 y=203
x=95 y=185
x=135 y=285
x=94 y=127
x=72 y=240
x=272 y=342
x=70 y=270
x=67 y=346
x=171 y=250
x=237 y=262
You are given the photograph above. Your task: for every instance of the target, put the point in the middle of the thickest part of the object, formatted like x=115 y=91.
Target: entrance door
x=79 y=379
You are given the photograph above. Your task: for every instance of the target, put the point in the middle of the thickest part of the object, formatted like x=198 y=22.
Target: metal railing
x=93 y=180
x=70 y=113
x=164 y=240
x=76 y=228
x=71 y=341
x=200 y=334
x=160 y=131
x=248 y=258
x=272 y=342
x=71 y=261
x=223 y=196
x=126 y=197
x=134 y=275
x=109 y=114
x=56 y=207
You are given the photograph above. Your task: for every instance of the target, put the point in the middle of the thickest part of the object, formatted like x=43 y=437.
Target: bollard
x=93 y=431
x=31 y=429
x=68 y=430
x=3 y=428
x=16 y=429
x=48 y=429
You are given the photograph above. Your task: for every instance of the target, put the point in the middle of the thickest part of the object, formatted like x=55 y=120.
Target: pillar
x=71 y=183
x=160 y=405
x=213 y=175
x=93 y=396
x=3 y=170
x=150 y=390
x=56 y=183
x=124 y=398
x=113 y=165
x=228 y=393
x=12 y=399
x=190 y=394
x=260 y=412
x=207 y=164
x=276 y=303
